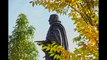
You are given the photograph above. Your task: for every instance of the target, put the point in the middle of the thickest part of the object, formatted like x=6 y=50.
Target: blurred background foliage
x=20 y=44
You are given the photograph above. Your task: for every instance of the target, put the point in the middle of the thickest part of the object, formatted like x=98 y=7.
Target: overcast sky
x=38 y=17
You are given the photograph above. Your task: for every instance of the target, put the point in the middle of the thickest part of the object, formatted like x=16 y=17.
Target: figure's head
x=53 y=18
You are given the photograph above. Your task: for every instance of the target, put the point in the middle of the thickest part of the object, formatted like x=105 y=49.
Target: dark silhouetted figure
x=56 y=33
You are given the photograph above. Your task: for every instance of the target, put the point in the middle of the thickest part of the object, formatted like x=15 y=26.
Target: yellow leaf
x=73 y=0
x=63 y=0
x=71 y=4
x=93 y=42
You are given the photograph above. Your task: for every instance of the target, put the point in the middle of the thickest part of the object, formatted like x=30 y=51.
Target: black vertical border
x=102 y=30
x=4 y=29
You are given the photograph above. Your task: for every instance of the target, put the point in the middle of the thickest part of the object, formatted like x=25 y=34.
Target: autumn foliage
x=84 y=13
x=56 y=51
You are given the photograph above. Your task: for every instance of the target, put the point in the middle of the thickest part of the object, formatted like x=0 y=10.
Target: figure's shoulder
x=57 y=24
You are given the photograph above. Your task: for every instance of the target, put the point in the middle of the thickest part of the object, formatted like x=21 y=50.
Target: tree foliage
x=56 y=51
x=84 y=13
x=20 y=44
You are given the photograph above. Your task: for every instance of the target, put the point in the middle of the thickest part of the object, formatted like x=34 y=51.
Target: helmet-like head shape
x=53 y=18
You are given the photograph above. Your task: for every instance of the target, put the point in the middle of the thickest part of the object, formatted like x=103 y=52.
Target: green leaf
x=53 y=43
x=49 y=45
x=40 y=43
x=77 y=38
x=44 y=47
x=48 y=48
x=75 y=29
x=52 y=54
x=55 y=56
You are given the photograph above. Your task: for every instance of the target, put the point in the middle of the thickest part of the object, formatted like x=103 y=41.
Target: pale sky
x=38 y=17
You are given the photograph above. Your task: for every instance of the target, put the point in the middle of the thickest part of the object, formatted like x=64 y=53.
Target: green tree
x=84 y=13
x=20 y=44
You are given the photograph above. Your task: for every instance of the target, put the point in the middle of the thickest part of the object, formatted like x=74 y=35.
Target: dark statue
x=55 y=33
